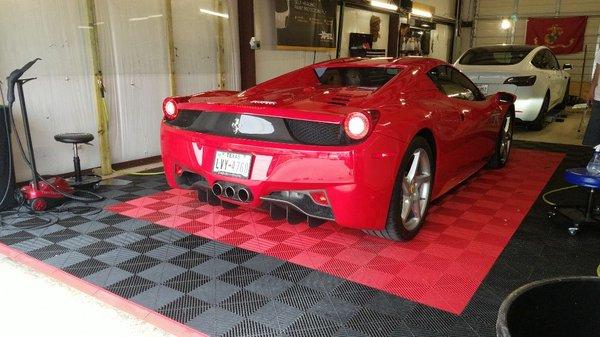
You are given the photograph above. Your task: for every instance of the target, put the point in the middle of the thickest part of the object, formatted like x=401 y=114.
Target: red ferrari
x=367 y=143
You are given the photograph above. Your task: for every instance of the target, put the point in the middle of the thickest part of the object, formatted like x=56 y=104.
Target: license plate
x=483 y=88
x=232 y=164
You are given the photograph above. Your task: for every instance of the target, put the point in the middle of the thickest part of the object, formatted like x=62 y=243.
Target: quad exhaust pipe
x=244 y=195
x=217 y=189
x=229 y=192
x=232 y=191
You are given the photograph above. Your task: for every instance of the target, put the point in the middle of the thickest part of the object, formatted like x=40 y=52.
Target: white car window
x=552 y=61
x=539 y=61
x=544 y=59
x=495 y=55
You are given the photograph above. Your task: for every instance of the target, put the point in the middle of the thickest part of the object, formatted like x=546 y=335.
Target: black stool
x=80 y=181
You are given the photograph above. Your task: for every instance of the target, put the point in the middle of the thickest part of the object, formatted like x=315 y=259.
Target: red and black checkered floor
x=238 y=273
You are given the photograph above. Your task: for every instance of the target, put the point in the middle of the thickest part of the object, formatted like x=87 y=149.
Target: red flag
x=562 y=35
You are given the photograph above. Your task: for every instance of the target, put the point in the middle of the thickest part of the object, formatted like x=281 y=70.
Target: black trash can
x=7 y=168
x=559 y=307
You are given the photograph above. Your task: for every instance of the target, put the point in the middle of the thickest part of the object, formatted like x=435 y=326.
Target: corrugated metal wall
x=133 y=48
x=489 y=13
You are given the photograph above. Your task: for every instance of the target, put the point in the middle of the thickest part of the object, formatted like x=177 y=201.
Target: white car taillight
x=170 y=108
x=521 y=81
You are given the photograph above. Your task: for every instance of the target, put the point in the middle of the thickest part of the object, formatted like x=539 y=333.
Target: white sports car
x=532 y=73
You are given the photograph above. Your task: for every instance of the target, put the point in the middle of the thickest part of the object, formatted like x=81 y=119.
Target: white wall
x=440 y=41
x=134 y=62
x=195 y=38
x=442 y=35
x=133 y=52
x=134 y=55
x=60 y=100
x=443 y=8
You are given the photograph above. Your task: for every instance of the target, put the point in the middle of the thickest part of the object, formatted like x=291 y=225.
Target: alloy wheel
x=506 y=139
x=416 y=187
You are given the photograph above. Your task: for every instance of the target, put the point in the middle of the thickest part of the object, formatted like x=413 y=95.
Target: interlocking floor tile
x=469 y=226
x=244 y=302
x=85 y=268
x=184 y=308
x=138 y=264
x=187 y=281
x=131 y=286
x=240 y=273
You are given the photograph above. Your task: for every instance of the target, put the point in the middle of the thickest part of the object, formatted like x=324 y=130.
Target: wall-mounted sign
x=562 y=35
x=305 y=24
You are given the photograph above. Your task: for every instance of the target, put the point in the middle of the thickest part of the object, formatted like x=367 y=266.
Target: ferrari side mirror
x=505 y=97
x=567 y=66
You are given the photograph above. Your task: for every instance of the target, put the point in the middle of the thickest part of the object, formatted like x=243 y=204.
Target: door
x=548 y=72
x=557 y=78
x=450 y=129
x=472 y=111
x=480 y=120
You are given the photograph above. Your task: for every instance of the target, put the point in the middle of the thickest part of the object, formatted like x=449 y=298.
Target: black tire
x=562 y=105
x=499 y=158
x=394 y=228
x=540 y=122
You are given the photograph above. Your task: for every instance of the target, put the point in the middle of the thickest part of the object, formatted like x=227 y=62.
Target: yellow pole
x=220 y=47
x=101 y=109
x=170 y=43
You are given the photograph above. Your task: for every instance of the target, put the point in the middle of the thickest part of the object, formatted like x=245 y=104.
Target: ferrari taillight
x=358 y=125
x=170 y=108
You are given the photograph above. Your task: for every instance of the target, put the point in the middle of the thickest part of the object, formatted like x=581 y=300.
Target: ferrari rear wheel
x=503 y=146
x=411 y=194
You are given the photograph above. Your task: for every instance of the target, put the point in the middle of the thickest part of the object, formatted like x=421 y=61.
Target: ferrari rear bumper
x=354 y=182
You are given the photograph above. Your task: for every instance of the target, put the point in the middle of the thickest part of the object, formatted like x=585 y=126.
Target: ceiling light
x=206 y=11
x=421 y=12
x=142 y=18
x=505 y=24
x=385 y=5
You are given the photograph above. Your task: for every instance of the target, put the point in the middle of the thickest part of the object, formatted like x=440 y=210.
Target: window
x=539 y=60
x=495 y=55
x=368 y=77
x=454 y=84
x=545 y=59
x=552 y=61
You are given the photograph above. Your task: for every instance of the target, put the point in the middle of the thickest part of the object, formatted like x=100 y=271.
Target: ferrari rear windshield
x=495 y=55
x=364 y=77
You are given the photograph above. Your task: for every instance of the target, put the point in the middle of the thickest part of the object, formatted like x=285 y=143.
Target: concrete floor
x=36 y=305
x=557 y=132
